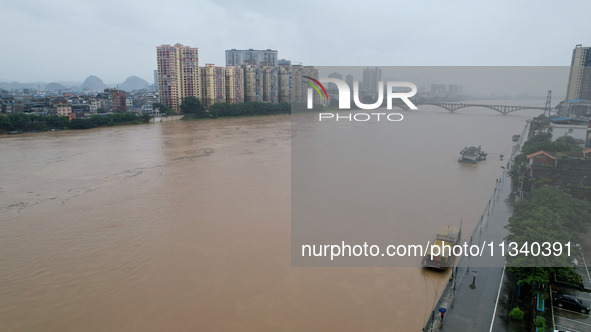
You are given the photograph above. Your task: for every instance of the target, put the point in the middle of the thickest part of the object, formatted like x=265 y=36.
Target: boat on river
x=472 y=154
x=439 y=254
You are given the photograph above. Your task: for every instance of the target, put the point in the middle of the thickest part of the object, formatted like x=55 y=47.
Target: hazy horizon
x=64 y=42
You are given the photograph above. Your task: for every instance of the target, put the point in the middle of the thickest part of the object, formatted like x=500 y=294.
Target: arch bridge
x=503 y=109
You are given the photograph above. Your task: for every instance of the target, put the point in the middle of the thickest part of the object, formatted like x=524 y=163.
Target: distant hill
x=54 y=86
x=17 y=85
x=133 y=83
x=93 y=83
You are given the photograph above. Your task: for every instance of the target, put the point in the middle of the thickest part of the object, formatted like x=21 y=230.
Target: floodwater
x=185 y=226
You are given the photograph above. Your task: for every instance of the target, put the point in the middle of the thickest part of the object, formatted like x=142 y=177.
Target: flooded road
x=186 y=226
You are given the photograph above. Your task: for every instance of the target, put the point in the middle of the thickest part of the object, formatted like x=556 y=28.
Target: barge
x=442 y=257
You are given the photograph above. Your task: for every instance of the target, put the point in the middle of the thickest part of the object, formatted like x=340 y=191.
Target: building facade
x=252 y=82
x=213 y=85
x=234 y=85
x=118 y=100
x=63 y=109
x=270 y=83
x=178 y=74
x=299 y=89
x=285 y=82
x=579 y=81
x=371 y=77
x=236 y=57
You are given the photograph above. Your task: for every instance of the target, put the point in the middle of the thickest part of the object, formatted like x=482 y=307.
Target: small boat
x=56 y=130
x=15 y=132
x=442 y=257
x=472 y=154
x=502 y=157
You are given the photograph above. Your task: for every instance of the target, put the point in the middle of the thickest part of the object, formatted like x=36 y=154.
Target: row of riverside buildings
x=249 y=75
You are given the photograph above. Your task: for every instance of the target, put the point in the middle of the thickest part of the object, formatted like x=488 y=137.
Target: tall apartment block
x=178 y=74
x=252 y=82
x=236 y=57
x=310 y=71
x=579 y=81
x=234 y=85
x=270 y=83
x=349 y=80
x=213 y=84
x=285 y=81
x=371 y=77
x=299 y=92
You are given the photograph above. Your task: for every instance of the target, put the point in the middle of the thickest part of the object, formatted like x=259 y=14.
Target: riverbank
x=470 y=298
x=21 y=122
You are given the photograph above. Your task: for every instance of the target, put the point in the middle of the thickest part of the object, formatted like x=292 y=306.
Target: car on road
x=571 y=302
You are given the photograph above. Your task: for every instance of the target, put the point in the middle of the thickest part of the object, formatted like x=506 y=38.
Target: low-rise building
x=64 y=109
x=541 y=158
x=150 y=110
x=576 y=131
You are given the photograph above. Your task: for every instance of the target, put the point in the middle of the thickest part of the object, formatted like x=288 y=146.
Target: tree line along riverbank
x=191 y=107
x=20 y=122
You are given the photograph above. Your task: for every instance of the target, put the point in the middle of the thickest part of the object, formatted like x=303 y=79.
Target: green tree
x=516 y=314
x=551 y=215
x=164 y=109
x=192 y=105
x=515 y=171
x=536 y=143
x=543 y=141
x=565 y=143
x=574 y=212
x=536 y=275
x=537 y=224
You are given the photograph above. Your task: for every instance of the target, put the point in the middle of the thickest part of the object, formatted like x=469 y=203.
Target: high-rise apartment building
x=234 y=85
x=270 y=83
x=579 y=81
x=285 y=82
x=309 y=71
x=299 y=90
x=236 y=57
x=349 y=80
x=252 y=82
x=213 y=85
x=178 y=74
x=371 y=77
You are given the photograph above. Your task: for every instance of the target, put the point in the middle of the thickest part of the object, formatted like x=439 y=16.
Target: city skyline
x=64 y=42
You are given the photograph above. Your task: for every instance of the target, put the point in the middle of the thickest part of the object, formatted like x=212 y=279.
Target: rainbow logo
x=316 y=87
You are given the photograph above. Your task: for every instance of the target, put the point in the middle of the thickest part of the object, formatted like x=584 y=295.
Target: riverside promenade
x=471 y=298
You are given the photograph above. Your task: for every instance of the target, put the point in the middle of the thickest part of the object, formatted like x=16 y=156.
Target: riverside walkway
x=471 y=299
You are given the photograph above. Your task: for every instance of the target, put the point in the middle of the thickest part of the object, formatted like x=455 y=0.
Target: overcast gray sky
x=63 y=40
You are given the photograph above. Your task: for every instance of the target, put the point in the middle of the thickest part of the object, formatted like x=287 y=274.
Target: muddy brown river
x=185 y=226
